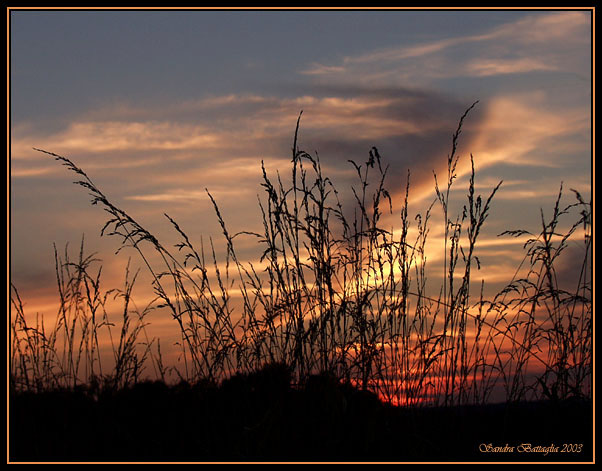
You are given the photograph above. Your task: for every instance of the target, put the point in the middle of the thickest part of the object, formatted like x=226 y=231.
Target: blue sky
x=158 y=105
x=76 y=60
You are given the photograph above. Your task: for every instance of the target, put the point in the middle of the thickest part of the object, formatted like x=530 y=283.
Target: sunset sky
x=157 y=106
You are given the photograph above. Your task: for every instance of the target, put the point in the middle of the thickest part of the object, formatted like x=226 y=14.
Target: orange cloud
x=518 y=130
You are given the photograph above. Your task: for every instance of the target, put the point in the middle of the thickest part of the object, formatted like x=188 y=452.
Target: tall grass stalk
x=338 y=290
x=69 y=354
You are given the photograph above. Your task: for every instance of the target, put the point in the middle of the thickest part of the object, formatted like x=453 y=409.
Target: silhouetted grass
x=69 y=354
x=339 y=309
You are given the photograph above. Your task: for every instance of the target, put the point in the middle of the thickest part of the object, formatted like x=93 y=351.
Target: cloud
x=168 y=158
x=232 y=133
x=558 y=26
x=573 y=269
x=488 y=67
x=111 y=136
x=190 y=196
x=523 y=129
x=543 y=41
x=29 y=172
x=319 y=69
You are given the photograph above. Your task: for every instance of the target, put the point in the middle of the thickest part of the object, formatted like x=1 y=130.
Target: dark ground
x=261 y=418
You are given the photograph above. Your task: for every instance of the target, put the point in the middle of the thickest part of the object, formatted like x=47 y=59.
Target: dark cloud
x=421 y=143
x=574 y=268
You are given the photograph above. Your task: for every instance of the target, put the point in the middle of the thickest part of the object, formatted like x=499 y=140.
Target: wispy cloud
x=319 y=69
x=540 y=42
x=231 y=134
x=29 y=172
x=110 y=136
x=489 y=67
x=172 y=158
